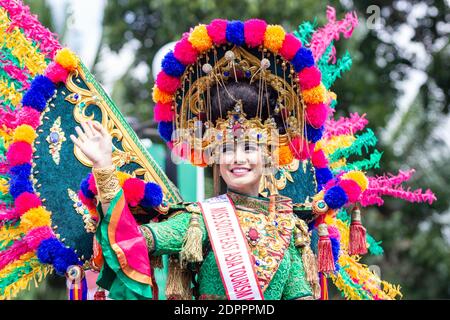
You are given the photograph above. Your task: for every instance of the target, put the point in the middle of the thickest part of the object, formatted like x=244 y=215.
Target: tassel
x=324 y=287
x=357 y=243
x=76 y=283
x=192 y=250
x=100 y=294
x=178 y=285
x=156 y=262
x=325 y=259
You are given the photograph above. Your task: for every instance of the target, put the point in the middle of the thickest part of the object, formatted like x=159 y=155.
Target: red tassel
x=357 y=243
x=100 y=294
x=325 y=259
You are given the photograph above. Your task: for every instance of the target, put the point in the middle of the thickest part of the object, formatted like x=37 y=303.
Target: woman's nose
x=239 y=155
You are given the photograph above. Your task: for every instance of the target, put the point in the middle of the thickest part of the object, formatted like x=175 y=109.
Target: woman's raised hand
x=95 y=142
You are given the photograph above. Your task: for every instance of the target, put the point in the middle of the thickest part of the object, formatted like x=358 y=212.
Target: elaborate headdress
x=253 y=52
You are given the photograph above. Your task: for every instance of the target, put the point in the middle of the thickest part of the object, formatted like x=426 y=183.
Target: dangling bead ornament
x=265 y=63
x=207 y=68
x=229 y=55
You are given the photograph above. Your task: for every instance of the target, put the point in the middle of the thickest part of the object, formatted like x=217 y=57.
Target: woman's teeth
x=240 y=170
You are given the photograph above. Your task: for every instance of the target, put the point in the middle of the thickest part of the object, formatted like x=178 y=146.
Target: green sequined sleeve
x=168 y=235
x=296 y=286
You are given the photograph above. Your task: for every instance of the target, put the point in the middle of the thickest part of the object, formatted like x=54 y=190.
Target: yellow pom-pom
x=200 y=39
x=67 y=59
x=317 y=94
x=4 y=186
x=359 y=177
x=161 y=96
x=24 y=133
x=36 y=217
x=284 y=155
x=274 y=37
x=122 y=176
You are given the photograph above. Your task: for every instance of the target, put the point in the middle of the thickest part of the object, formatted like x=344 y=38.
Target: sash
x=230 y=249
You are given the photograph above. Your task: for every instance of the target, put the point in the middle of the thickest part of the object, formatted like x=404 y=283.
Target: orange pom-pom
x=274 y=37
x=285 y=155
x=35 y=217
x=161 y=96
x=317 y=94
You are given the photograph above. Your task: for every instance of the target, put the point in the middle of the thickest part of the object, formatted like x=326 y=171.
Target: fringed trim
x=179 y=280
x=192 y=250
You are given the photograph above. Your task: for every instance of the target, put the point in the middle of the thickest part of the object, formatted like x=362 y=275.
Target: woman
x=267 y=266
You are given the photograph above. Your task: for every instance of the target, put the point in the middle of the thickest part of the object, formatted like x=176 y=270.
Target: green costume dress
x=271 y=239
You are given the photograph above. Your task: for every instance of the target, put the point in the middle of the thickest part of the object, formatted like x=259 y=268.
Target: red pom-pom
x=91 y=184
x=309 y=77
x=134 y=190
x=167 y=83
x=217 y=31
x=351 y=188
x=254 y=30
x=290 y=46
x=169 y=145
x=185 y=52
x=29 y=116
x=19 y=152
x=163 y=112
x=319 y=160
x=26 y=201
x=35 y=236
x=89 y=203
x=301 y=149
x=316 y=114
x=56 y=73
x=182 y=150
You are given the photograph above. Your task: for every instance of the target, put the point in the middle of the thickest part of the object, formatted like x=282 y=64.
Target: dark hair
x=223 y=100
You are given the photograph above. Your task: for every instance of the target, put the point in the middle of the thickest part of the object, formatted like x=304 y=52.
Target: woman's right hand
x=95 y=143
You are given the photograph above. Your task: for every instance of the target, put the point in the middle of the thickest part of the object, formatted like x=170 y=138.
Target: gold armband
x=107 y=183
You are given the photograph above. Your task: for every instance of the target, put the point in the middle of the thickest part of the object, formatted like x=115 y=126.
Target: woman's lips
x=240 y=171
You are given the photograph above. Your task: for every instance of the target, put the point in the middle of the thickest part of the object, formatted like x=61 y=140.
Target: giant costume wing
x=45 y=91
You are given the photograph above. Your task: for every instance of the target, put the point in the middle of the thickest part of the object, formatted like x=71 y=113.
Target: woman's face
x=241 y=167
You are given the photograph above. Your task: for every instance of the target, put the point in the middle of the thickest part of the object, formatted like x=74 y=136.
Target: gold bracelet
x=107 y=183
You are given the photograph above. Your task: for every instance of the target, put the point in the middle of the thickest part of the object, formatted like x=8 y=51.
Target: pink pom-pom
x=134 y=190
x=19 y=152
x=217 y=31
x=254 y=30
x=26 y=201
x=35 y=236
x=181 y=150
x=167 y=83
x=185 y=52
x=290 y=46
x=91 y=184
x=56 y=72
x=301 y=149
x=163 y=112
x=316 y=114
x=89 y=203
x=351 y=188
x=169 y=145
x=29 y=116
x=319 y=160
x=309 y=77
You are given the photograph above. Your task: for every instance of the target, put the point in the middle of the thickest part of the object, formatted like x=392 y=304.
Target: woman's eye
x=226 y=148
x=250 y=147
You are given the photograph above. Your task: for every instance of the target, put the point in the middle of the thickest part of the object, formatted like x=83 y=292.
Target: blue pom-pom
x=153 y=195
x=35 y=99
x=235 y=32
x=44 y=85
x=172 y=66
x=84 y=186
x=323 y=175
x=19 y=185
x=165 y=130
x=48 y=249
x=313 y=134
x=65 y=257
x=335 y=197
x=302 y=59
x=335 y=247
x=23 y=171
